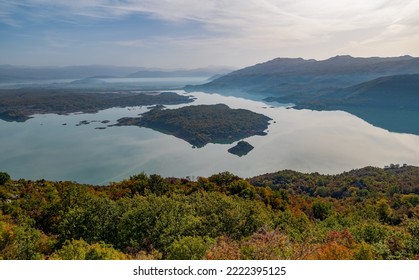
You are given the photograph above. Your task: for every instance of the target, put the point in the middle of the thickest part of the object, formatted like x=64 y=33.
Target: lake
x=55 y=147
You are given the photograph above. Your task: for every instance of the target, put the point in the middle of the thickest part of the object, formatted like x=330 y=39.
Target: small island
x=242 y=148
x=203 y=124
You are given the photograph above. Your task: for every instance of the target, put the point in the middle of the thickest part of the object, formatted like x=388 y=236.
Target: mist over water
x=302 y=140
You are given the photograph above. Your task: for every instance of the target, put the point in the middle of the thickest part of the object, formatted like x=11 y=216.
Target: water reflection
x=302 y=140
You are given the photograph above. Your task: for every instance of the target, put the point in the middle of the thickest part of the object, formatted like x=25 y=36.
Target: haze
x=191 y=34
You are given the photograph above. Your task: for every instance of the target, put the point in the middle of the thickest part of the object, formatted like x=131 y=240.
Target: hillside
x=382 y=91
x=390 y=102
x=395 y=92
x=369 y=213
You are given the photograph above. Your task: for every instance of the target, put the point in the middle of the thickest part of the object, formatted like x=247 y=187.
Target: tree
x=384 y=211
x=266 y=245
x=22 y=243
x=223 y=249
x=321 y=210
x=158 y=185
x=4 y=177
x=188 y=248
x=81 y=250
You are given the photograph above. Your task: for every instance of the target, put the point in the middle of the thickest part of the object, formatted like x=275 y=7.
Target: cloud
x=308 y=28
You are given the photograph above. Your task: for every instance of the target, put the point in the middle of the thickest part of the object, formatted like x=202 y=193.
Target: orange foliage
x=224 y=249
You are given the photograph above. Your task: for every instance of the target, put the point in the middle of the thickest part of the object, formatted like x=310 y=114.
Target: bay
x=55 y=147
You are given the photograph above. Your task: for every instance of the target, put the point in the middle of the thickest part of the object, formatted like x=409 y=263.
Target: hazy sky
x=196 y=33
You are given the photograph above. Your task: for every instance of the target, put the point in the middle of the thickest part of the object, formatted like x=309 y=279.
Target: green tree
x=384 y=211
x=81 y=250
x=413 y=229
x=321 y=210
x=4 y=177
x=370 y=232
x=158 y=185
x=23 y=243
x=155 y=222
x=189 y=248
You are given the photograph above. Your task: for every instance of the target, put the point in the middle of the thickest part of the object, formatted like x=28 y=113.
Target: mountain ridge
x=382 y=91
x=285 y=76
x=11 y=73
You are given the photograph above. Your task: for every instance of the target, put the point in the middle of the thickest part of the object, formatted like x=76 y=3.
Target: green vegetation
x=369 y=213
x=203 y=124
x=20 y=104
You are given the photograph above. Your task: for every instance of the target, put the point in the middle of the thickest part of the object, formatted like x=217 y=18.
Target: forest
x=368 y=213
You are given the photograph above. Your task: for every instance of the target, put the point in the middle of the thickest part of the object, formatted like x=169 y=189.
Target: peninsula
x=20 y=104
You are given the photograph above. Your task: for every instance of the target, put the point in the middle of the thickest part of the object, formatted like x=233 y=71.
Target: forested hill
x=369 y=213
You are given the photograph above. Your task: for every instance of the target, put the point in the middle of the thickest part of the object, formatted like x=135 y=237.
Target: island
x=242 y=148
x=203 y=124
x=20 y=104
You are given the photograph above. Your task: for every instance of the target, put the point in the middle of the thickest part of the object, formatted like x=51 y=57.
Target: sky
x=176 y=34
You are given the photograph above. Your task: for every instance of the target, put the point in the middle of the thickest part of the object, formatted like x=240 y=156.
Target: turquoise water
x=303 y=140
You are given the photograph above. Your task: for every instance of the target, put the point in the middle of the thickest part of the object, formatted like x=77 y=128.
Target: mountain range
x=382 y=91
x=287 y=76
x=10 y=73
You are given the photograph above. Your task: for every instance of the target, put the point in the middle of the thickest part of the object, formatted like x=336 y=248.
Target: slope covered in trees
x=368 y=213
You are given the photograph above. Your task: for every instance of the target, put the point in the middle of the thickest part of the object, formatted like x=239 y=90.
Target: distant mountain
x=297 y=76
x=88 y=81
x=9 y=73
x=216 y=76
x=201 y=72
